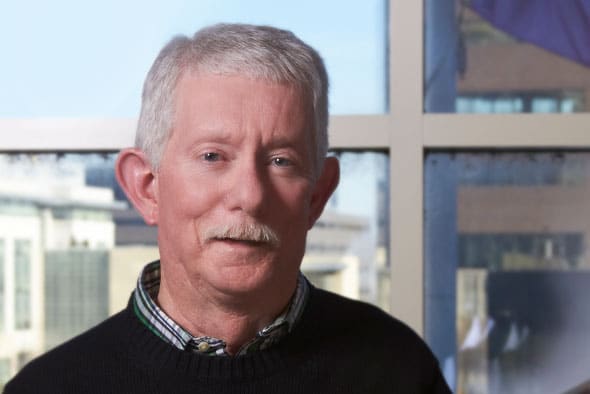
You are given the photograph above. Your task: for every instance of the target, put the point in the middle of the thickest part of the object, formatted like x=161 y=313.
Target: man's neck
x=235 y=320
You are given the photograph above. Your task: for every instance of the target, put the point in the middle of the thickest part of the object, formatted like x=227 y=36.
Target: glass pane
x=351 y=239
x=508 y=270
x=65 y=63
x=506 y=56
x=77 y=246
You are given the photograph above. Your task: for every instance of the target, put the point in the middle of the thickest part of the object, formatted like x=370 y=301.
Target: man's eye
x=211 y=156
x=281 y=162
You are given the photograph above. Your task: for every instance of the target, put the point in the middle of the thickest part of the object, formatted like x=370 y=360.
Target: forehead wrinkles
x=297 y=98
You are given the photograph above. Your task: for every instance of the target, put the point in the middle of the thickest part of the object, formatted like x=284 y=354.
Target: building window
x=76 y=292
x=4 y=372
x=515 y=102
x=22 y=284
x=2 y=285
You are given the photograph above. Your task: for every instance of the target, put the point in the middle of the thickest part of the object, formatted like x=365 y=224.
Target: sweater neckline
x=151 y=351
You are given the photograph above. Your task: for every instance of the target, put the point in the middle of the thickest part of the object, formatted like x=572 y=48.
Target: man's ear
x=323 y=188
x=134 y=174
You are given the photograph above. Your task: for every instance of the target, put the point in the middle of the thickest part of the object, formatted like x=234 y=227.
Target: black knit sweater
x=339 y=346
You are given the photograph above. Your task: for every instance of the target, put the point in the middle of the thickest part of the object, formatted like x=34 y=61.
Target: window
x=22 y=284
x=4 y=372
x=347 y=250
x=507 y=272
x=104 y=77
x=2 y=286
x=76 y=292
x=514 y=102
x=482 y=56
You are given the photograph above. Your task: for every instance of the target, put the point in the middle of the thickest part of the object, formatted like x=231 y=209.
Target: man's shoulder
x=101 y=338
x=358 y=316
x=372 y=332
x=355 y=335
x=88 y=352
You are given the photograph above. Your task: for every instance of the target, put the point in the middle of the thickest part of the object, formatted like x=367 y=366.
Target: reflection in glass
x=71 y=246
x=504 y=56
x=508 y=270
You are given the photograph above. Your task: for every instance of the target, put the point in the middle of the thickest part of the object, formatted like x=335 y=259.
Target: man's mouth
x=251 y=242
x=254 y=234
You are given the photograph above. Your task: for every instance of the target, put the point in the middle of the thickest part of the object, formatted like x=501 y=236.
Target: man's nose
x=249 y=188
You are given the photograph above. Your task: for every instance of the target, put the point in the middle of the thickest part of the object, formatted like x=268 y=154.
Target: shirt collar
x=155 y=319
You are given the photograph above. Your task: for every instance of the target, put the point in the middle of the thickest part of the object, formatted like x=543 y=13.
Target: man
x=230 y=164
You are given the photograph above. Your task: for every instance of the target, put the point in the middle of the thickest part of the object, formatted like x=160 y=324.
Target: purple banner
x=560 y=26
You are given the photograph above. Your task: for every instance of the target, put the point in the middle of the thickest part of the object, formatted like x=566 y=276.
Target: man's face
x=239 y=155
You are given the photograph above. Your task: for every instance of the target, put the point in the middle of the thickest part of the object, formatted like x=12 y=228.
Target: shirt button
x=203 y=346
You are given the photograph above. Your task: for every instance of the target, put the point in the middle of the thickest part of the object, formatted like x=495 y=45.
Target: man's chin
x=240 y=279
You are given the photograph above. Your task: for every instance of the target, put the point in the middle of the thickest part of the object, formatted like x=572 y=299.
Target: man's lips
x=236 y=241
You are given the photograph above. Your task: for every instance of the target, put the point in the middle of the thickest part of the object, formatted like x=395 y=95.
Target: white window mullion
x=406 y=154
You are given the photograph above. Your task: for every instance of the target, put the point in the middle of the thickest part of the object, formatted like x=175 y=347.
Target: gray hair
x=260 y=52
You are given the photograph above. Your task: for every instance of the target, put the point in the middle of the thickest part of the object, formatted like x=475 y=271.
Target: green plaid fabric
x=154 y=318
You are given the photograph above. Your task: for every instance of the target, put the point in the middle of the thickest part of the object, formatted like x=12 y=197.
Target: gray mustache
x=254 y=232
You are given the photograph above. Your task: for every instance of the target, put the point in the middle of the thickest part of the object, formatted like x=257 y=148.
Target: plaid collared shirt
x=163 y=326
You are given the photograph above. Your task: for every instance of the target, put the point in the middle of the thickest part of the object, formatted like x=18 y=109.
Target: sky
x=66 y=58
